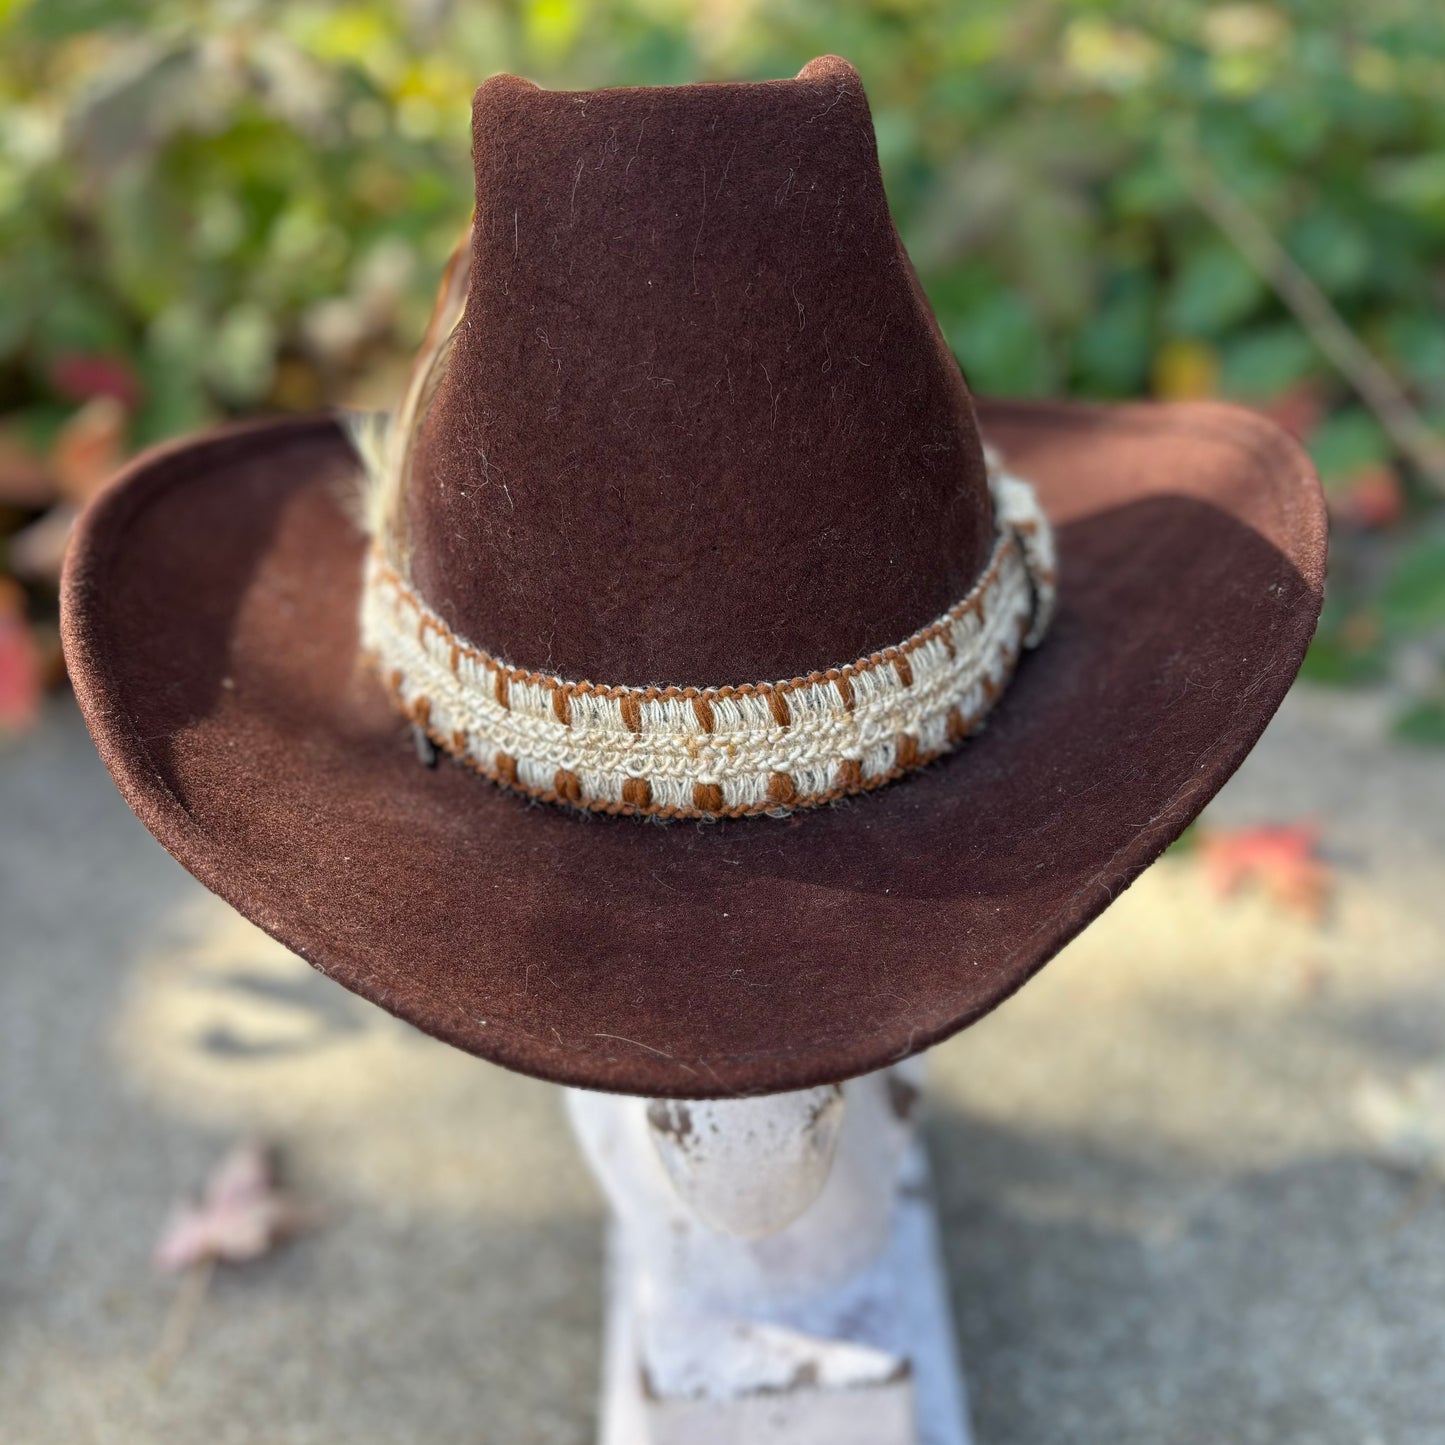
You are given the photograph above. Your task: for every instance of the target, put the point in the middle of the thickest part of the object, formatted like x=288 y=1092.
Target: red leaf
x=1370 y=499
x=20 y=662
x=1282 y=858
x=81 y=376
x=1297 y=410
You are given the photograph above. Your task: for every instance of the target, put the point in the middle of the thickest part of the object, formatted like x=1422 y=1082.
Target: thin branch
x=1314 y=311
x=181 y=1319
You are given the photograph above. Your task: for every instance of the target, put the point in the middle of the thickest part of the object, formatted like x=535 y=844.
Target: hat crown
x=699 y=425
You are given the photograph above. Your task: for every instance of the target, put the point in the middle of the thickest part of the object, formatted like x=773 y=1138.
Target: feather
x=386 y=441
x=368 y=433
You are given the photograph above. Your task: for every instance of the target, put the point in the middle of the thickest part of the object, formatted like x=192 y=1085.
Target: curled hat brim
x=209 y=612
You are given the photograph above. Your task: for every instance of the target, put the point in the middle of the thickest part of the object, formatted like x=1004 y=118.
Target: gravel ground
x=1178 y=1206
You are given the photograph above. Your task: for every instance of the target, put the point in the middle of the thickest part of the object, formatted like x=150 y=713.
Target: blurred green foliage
x=244 y=203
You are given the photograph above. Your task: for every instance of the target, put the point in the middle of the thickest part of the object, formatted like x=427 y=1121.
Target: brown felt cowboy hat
x=686 y=515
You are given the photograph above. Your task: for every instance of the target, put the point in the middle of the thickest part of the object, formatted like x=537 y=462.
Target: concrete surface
x=1169 y=1216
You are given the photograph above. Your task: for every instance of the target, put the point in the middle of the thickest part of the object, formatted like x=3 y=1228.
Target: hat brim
x=210 y=607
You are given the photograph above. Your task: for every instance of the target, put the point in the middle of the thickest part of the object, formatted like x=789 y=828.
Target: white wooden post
x=774 y=1270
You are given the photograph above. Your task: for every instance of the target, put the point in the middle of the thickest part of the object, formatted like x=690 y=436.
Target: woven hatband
x=726 y=751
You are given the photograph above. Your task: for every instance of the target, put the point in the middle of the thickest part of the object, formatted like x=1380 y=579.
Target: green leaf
x=1053 y=249
x=1261 y=363
x=1413 y=598
x=1334 y=661
x=60 y=19
x=80 y=318
x=1333 y=250
x=15 y=317
x=1422 y=723
x=1416 y=184
x=38 y=425
x=174 y=399
x=1113 y=347
x=1150 y=187
x=242 y=357
x=1418 y=340
x=1215 y=289
x=1347 y=442
x=1001 y=346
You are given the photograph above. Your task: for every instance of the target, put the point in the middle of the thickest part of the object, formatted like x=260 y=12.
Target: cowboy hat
x=771 y=727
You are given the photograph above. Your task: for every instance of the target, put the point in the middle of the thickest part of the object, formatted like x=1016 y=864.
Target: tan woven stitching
x=708 y=799
x=782 y=790
x=907 y=751
x=637 y=794
x=853 y=783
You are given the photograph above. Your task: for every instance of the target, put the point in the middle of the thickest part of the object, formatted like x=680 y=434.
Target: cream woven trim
x=723 y=751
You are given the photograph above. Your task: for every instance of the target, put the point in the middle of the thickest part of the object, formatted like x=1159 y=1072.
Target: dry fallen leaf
x=1282 y=858
x=37 y=552
x=241 y=1216
x=89 y=449
x=25 y=478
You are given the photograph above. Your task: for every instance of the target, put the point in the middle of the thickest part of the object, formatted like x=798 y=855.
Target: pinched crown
x=684 y=416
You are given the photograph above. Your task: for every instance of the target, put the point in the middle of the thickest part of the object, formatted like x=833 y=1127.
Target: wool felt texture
x=630 y=520
x=700 y=424
x=209 y=614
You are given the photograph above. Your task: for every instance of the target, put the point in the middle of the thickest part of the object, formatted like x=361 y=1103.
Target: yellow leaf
x=553 y=26
x=1185 y=371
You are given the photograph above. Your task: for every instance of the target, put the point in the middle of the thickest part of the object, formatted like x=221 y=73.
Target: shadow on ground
x=1164 y=1222
x=1101 y=1300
